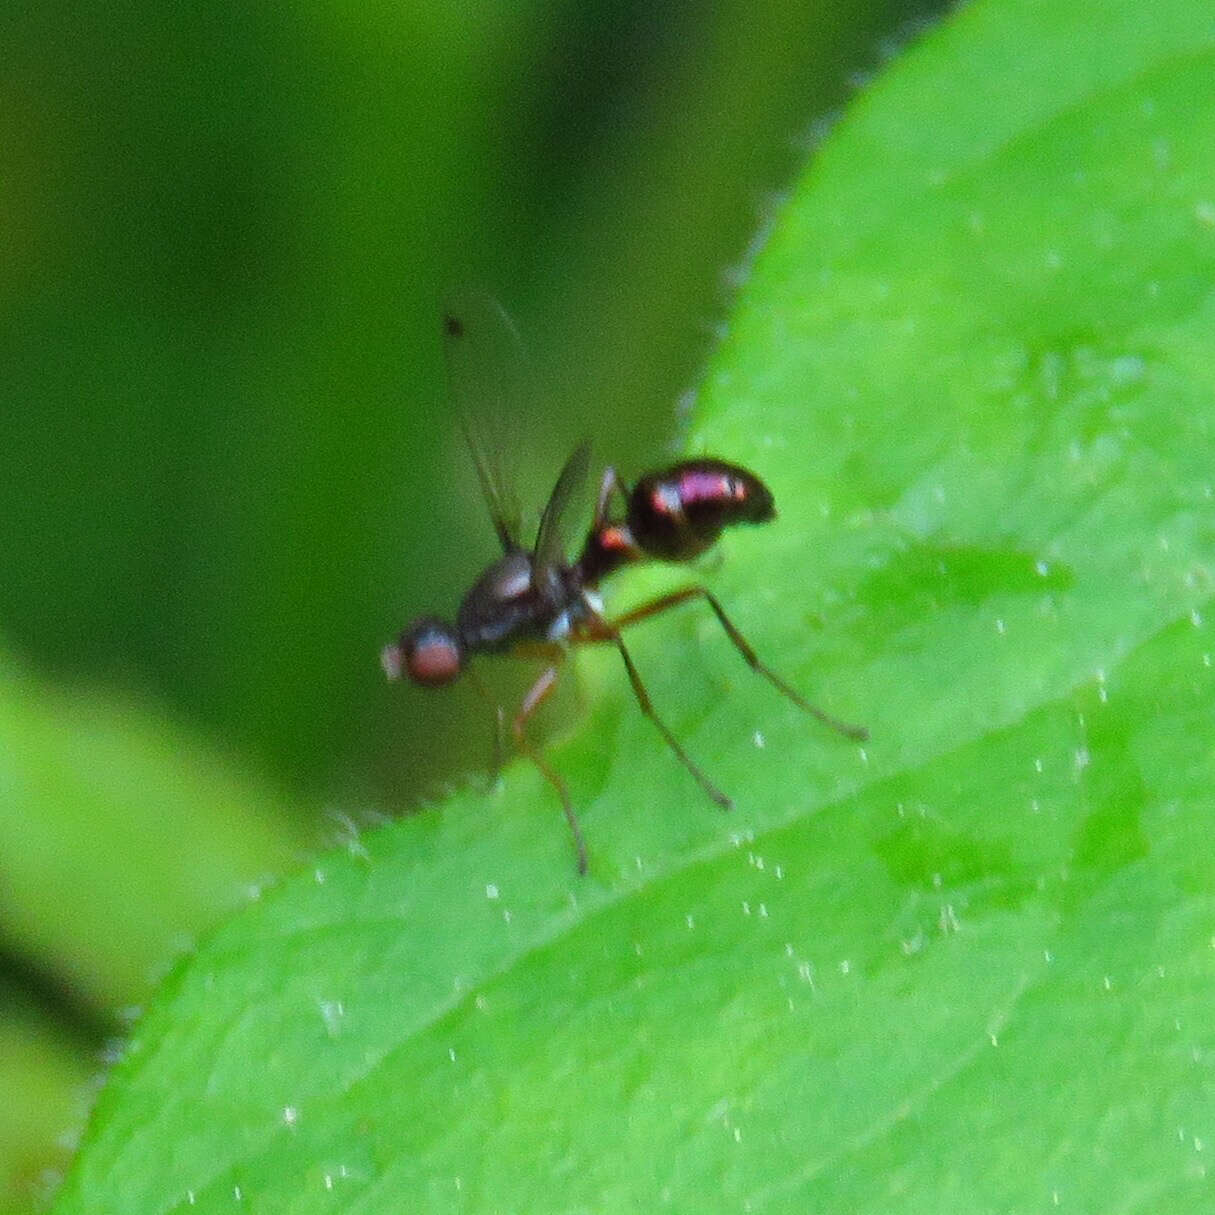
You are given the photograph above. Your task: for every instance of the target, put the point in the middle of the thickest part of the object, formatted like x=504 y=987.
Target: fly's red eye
x=428 y=653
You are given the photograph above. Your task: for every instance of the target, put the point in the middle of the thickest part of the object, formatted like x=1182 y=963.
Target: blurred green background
x=230 y=470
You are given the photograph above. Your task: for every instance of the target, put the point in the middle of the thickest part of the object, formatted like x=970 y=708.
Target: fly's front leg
x=609 y=485
x=539 y=693
x=666 y=602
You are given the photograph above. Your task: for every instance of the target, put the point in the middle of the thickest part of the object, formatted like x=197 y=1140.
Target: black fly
x=535 y=602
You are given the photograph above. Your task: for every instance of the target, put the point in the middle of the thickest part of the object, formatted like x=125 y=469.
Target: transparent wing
x=550 y=538
x=485 y=371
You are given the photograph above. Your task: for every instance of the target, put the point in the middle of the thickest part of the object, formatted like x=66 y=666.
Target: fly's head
x=427 y=653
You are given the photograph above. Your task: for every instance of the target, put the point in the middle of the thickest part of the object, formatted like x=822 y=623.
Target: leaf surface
x=968 y=967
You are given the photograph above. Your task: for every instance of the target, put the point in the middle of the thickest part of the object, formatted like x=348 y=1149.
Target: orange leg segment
x=539 y=693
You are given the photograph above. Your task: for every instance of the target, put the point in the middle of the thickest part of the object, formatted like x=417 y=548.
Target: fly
x=535 y=602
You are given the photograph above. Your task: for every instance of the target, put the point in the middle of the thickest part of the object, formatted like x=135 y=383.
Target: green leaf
x=968 y=967
x=44 y=1067
x=121 y=837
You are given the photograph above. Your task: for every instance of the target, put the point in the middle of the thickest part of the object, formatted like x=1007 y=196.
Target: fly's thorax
x=508 y=580
x=581 y=605
x=498 y=606
x=514 y=601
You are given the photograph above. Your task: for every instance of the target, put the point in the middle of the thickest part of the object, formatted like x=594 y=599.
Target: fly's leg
x=598 y=629
x=666 y=602
x=539 y=693
x=609 y=485
x=495 y=771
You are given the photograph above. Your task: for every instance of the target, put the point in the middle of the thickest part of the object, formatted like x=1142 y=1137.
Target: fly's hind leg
x=666 y=602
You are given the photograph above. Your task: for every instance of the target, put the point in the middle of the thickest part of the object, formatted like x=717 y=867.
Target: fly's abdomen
x=676 y=514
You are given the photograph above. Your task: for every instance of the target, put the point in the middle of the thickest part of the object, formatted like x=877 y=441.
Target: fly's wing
x=485 y=371
x=550 y=539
